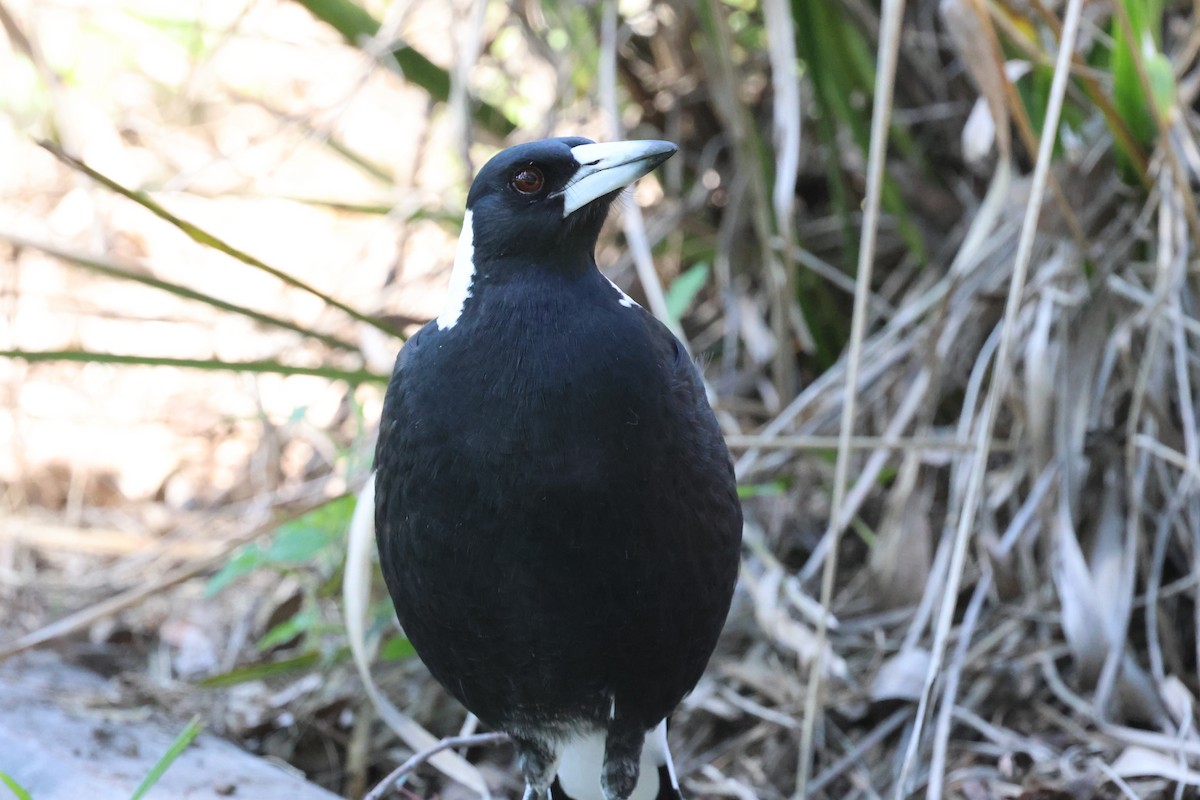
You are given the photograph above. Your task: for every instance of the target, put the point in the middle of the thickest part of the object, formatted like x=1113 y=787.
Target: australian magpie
x=555 y=508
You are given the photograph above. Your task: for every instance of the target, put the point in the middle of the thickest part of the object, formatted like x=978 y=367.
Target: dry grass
x=990 y=591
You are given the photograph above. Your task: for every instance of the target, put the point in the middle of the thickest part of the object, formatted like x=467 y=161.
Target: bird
x=556 y=513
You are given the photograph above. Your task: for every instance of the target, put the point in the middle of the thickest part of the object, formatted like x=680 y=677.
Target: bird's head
x=541 y=205
x=553 y=194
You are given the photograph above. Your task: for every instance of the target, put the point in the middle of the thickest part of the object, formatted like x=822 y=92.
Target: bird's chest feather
x=549 y=398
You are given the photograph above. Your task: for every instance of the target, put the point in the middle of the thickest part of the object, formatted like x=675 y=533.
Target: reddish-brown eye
x=528 y=181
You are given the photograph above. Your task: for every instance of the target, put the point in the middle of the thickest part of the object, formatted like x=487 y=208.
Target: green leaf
x=296 y=542
x=683 y=290
x=864 y=531
x=316 y=533
x=1162 y=83
x=16 y=788
x=177 y=747
x=396 y=648
x=1145 y=18
x=332 y=516
x=769 y=489
x=301 y=622
x=246 y=560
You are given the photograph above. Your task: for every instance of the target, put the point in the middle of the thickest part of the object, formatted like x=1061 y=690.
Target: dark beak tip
x=665 y=151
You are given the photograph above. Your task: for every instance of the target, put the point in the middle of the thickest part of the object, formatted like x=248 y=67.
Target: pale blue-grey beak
x=605 y=168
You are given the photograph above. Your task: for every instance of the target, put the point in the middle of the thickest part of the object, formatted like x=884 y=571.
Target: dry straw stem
x=889 y=50
x=1000 y=376
x=746 y=151
x=632 y=221
x=915 y=443
x=475 y=740
x=786 y=120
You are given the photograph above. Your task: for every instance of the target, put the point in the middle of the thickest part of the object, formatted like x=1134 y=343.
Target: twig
x=864 y=745
x=1121 y=733
x=889 y=52
x=130 y=272
x=205 y=238
x=358 y=751
x=475 y=740
x=941 y=737
x=469 y=44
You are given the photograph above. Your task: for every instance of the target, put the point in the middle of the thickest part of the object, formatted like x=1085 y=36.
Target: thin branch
x=113 y=269
x=207 y=239
x=353 y=377
x=474 y=740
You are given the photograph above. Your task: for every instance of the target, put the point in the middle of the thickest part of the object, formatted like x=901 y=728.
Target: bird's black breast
x=556 y=513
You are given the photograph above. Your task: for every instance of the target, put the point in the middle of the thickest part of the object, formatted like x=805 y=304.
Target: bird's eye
x=529 y=180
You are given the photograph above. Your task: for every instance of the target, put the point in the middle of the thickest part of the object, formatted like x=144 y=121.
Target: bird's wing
x=396 y=386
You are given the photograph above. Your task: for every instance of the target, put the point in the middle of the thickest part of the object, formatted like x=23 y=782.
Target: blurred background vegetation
x=978 y=568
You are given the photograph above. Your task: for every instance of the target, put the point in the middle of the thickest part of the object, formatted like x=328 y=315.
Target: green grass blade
x=207 y=239
x=1132 y=105
x=121 y=272
x=353 y=377
x=15 y=787
x=177 y=747
x=258 y=672
x=357 y=159
x=354 y=23
x=683 y=290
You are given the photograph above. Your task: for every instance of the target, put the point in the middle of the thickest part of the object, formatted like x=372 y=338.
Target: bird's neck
x=476 y=275
x=517 y=286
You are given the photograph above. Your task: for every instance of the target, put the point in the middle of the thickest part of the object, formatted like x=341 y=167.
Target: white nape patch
x=625 y=300
x=581 y=765
x=462 y=275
